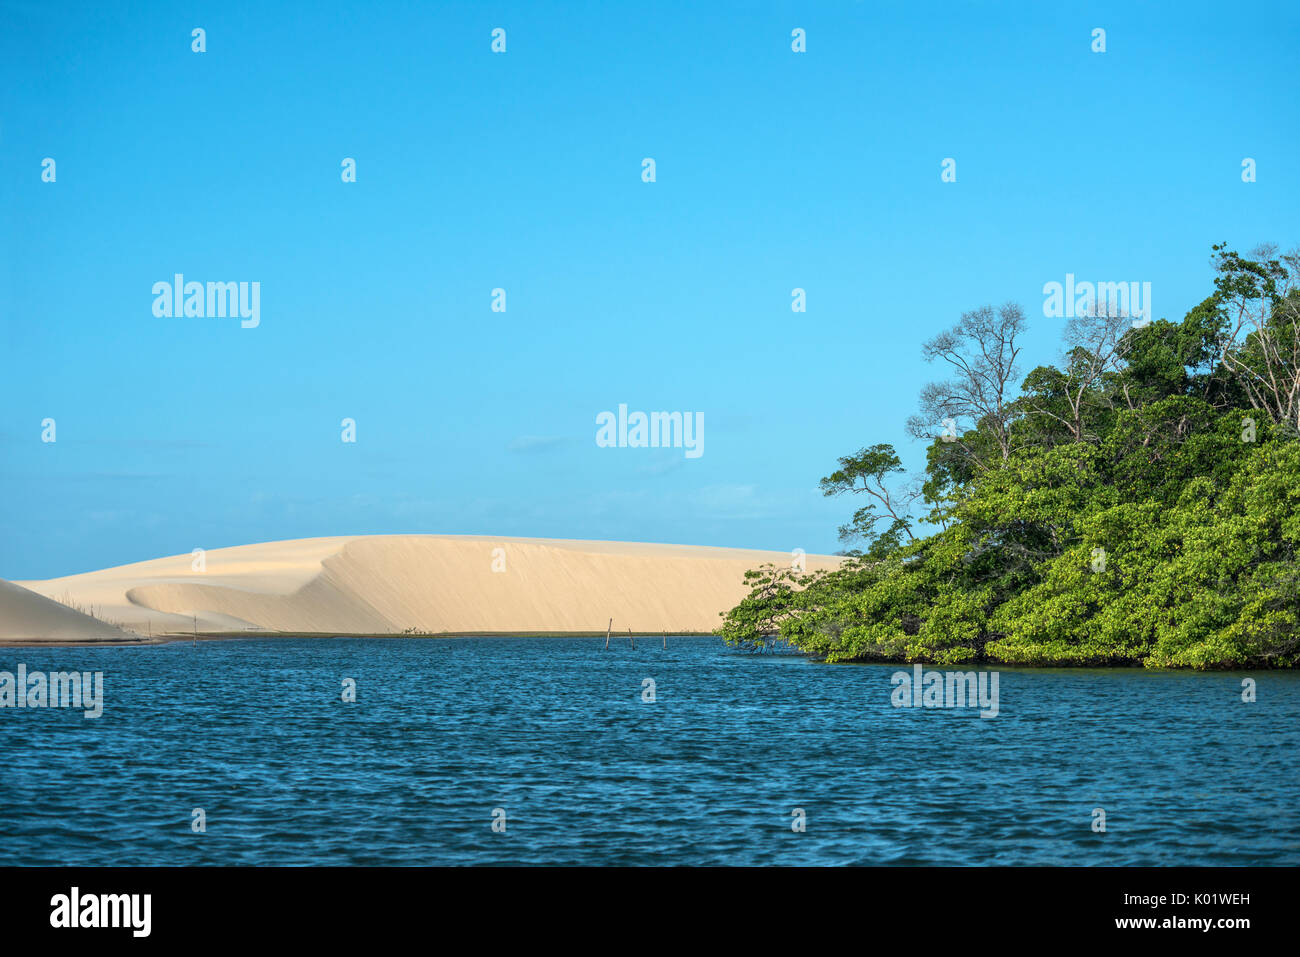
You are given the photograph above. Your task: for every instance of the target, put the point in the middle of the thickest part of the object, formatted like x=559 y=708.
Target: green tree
x=1139 y=503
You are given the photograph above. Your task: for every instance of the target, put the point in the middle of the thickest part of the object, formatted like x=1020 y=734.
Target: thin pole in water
x=607 y=631
x=665 y=641
x=631 y=639
x=196 y=631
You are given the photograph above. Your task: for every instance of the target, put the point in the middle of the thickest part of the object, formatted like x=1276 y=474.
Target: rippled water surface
x=555 y=732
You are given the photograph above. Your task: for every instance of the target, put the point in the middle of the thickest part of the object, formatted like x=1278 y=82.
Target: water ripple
x=554 y=732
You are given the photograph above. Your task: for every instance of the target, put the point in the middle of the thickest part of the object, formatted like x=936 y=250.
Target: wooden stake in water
x=196 y=631
x=665 y=641
x=607 y=631
x=631 y=639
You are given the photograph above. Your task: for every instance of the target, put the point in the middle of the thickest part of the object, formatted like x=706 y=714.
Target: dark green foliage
x=1138 y=504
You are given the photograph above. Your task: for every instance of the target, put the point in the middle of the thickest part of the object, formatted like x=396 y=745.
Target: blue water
x=554 y=731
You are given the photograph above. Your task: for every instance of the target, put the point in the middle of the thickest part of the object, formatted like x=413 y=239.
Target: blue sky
x=522 y=171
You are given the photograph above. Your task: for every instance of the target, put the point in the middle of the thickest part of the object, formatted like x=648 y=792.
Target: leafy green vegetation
x=1137 y=503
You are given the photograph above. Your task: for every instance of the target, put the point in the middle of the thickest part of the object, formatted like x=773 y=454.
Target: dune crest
x=26 y=616
x=388 y=584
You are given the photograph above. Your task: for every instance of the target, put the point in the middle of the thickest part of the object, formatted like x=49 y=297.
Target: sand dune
x=385 y=584
x=26 y=616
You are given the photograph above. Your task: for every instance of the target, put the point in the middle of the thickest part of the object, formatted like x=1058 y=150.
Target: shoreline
x=169 y=639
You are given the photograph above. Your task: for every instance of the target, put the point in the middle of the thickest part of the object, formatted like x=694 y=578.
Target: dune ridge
x=389 y=584
x=27 y=616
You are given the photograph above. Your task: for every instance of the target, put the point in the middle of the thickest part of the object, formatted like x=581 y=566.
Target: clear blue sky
x=477 y=170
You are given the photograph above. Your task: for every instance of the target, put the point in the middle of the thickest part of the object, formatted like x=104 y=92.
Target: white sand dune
x=26 y=616
x=384 y=584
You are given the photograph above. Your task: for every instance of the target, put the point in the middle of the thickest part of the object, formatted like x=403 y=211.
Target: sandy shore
x=389 y=584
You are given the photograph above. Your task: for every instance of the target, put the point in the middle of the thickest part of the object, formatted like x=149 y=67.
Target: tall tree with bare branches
x=1095 y=345
x=981 y=352
x=1259 y=299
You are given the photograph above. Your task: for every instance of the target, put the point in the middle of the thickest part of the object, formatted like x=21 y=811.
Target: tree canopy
x=1139 y=502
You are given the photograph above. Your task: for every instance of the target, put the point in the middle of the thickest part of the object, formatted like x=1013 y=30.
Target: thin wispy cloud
x=535 y=444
